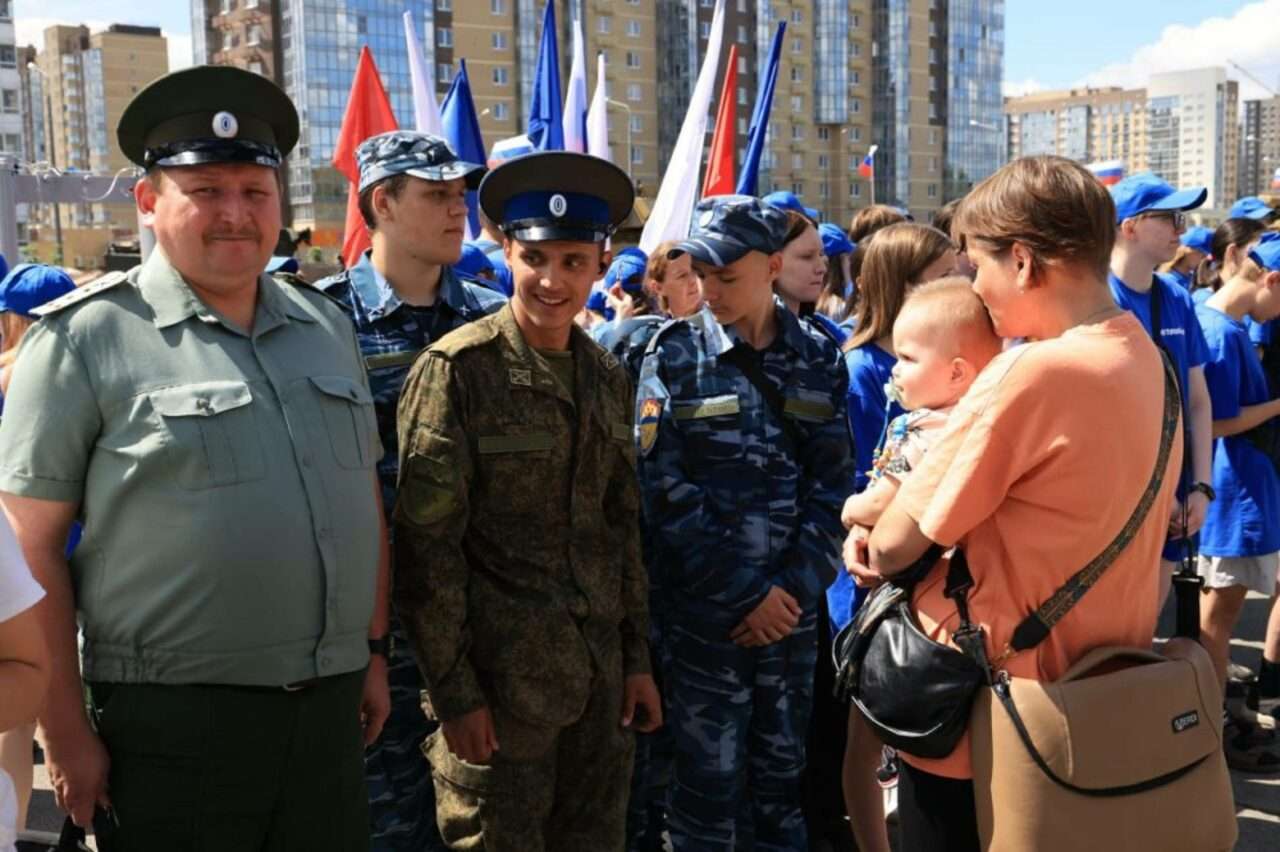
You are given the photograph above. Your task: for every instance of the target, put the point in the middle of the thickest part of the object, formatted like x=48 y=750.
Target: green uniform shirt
x=225 y=480
x=518 y=572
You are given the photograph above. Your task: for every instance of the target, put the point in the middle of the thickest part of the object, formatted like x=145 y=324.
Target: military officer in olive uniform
x=214 y=430
x=403 y=295
x=518 y=574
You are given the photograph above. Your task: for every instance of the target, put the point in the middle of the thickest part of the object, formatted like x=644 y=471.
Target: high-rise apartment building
x=1260 y=147
x=10 y=85
x=1085 y=125
x=1192 y=131
x=243 y=33
x=84 y=81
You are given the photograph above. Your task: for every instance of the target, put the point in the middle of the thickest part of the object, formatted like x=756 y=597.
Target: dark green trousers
x=205 y=768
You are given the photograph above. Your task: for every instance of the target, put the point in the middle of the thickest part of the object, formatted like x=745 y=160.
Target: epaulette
x=80 y=294
x=295 y=280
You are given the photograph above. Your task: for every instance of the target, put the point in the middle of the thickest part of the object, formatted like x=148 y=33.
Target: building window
x=706 y=4
x=255 y=66
x=857 y=48
x=742 y=64
x=251 y=4
x=855 y=20
x=604 y=24
x=497 y=7
x=855 y=106
x=9 y=100
x=6 y=10
x=633 y=28
x=855 y=77
x=228 y=6
x=742 y=125
x=704 y=29
x=255 y=34
x=933 y=165
x=637 y=156
x=933 y=190
x=444 y=37
x=444 y=73
x=855 y=189
x=633 y=59
x=797 y=162
x=742 y=33
x=633 y=92
x=797 y=73
x=499 y=41
x=824 y=190
x=797 y=16
x=797 y=132
x=824 y=133
x=500 y=76
x=798 y=188
x=8 y=56
x=797 y=103
x=500 y=111
x=637 y=124
x=797 y=45
x=444 y=5
x=823 y=161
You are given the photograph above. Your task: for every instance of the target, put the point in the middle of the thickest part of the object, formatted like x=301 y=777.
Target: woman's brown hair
x=1051 y=205
x=1238 y=232
x=895 y=258
x=866 y=222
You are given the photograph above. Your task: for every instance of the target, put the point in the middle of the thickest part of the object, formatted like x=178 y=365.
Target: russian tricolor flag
x=509 y=148
x=1275 y=180
x=867 y=167
x=1108 y=172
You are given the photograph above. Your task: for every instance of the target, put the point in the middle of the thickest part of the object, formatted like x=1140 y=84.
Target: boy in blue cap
x=518 y=573
x=1150 y=218
x=744 y=465
x=1240 y=543
x=1196 y=245
x=403 y=295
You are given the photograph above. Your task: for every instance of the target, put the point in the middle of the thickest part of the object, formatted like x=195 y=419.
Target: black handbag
x=917 y=694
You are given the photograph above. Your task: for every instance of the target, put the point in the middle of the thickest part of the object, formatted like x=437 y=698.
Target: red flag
x=719 y=178
x=368 y=114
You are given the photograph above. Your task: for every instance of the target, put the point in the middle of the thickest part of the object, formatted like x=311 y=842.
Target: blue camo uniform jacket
x=392 y=335
x=731 y=507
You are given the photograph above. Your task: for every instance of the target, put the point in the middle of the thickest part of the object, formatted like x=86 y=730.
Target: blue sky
x=1047 y=44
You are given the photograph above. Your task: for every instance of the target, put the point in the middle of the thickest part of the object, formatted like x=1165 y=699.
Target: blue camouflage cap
x=1250 y=207
x=1146 y=193
x=1199 y=238
x=726 y=227
x=627 y=270
x=1266 y=252
x=790 y=201
x=835 y=241
x=30 y=285
x=407 y=152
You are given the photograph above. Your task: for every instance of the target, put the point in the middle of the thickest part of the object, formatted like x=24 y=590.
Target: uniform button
x=324 y=661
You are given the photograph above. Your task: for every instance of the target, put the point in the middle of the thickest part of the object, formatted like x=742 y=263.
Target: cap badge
x=225 y=125
x=558 y=205
x=705 y=219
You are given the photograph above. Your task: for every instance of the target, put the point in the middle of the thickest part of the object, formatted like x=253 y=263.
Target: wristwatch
x=381 y=646
x=1206 y=489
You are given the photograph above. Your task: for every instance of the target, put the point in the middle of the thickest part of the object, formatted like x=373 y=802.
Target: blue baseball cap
x=1146 y=193
x=1266 y=252
x=726 y=227
x=598 y=303
x=1199 y=238
x=30 y=285
x=407 y=152
x=789 y=201
x=628 y=270
x=835 y=241
x=282 y=264
x=473 y=262
x=1250 y=207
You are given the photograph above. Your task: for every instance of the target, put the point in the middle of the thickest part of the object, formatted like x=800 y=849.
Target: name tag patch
x=1186 y=721
x=488 y=445
x=714 y=406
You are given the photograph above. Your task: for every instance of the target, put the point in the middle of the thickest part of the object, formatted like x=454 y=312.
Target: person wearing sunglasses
x=1150 y=219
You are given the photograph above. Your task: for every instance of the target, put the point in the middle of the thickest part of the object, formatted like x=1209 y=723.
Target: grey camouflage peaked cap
x=407 y=152
x=726 y=227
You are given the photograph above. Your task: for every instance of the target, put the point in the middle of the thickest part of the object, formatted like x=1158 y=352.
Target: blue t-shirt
x=1199 y=297
x=1259 y=332
x=870 y=369
x=1182 y=279
x=1242 y=521
x=1182 y=338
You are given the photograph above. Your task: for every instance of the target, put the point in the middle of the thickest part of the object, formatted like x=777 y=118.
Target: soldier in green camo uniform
x=518 y=573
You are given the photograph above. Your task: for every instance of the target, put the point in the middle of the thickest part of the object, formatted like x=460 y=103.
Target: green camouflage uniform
x=520 y=584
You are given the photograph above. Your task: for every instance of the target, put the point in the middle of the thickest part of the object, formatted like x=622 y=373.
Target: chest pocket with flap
x=347 y=407
x=210 y=433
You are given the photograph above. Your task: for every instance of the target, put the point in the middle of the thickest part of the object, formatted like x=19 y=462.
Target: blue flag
x=462 y=129
x=546 y=124
x=750 y=174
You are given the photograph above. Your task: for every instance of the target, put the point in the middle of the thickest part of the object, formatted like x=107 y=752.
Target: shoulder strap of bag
x=747 y=360
x=1035 y=627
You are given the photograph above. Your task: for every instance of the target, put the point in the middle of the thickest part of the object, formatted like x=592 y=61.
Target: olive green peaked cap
x=209 y=114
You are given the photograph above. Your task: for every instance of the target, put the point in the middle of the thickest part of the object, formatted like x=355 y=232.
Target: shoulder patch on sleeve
x=81 y=293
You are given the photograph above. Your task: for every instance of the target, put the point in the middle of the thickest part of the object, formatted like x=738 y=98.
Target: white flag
x=425 y=109
x=673 y=208
x=574 y=119
x=598 y=117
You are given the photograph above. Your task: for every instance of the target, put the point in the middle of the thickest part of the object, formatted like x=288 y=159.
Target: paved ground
x=1257 y=796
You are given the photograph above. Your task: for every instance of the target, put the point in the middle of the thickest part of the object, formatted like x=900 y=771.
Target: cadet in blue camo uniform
x=404 y=295
x=627 y=335
x=745 y=462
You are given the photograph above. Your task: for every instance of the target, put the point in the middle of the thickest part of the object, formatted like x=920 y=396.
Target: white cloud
x=1249 y=38
x=1018 y=88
